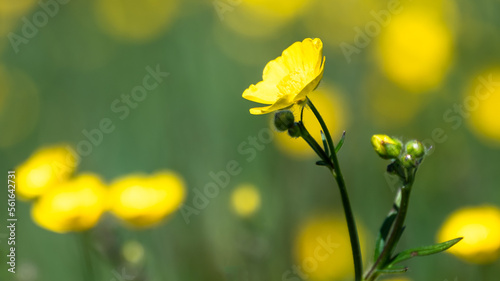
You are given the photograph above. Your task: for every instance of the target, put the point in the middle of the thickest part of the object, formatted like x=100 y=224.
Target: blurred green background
x=409 y=64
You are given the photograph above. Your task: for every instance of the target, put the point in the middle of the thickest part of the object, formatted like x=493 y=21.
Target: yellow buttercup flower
x=75 y=205
x=143 y=201
x=45 y=169
x=288 y=79
x=323 y=248
x=245 y=200
x=329 y=102
x=480 y=228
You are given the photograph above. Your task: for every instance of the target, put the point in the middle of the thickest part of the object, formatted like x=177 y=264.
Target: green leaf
x=325 y=144
x=424 y=251
x=341 y=142
x=382 y=235
x=321 y=163
x=398 y=269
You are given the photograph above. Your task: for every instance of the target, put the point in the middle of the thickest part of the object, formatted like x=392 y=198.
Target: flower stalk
x=339 y=178
x=286 y=83
x=401 y=203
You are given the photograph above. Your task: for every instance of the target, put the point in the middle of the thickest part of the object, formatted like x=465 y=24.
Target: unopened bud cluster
x=285 y=121
x=409 y=155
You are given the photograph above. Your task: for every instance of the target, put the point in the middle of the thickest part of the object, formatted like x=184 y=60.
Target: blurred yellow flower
x=483 y=102
x=323 y=248
x=44 y=170
x=416 y=49
x=143 y=201
x=135 y=20
x=245 y=200
x=288 y=79
x=480 y=228
x=75 y=205
x=332 y=108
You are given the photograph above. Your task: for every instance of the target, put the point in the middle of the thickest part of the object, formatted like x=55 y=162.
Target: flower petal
x=311 y=85
x=279 y=104
x=275 y=70
x=263 y=92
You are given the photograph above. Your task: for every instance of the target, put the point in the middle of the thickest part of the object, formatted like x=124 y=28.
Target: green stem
x=337 y=174
x=313 y=143
x=324 y=127
x=86 y=245
x=395 y=232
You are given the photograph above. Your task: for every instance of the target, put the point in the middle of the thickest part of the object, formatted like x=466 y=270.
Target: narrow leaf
x=325 y=144
x=424 y=251
x=393 y=270
x=341 y=142
x=321 y=163
x=382 y=235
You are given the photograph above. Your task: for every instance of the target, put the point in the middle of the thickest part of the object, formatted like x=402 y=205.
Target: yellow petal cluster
x=288 y=79
x=480 y=228
x=143 y=201
x=74 y=205
x=46 y=168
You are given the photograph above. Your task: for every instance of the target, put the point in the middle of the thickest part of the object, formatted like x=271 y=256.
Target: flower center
x=292 y=84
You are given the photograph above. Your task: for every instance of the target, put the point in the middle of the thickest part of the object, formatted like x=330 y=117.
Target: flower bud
x=415 y=149
x=295 y=130
x=283 y=120
x=386 y=147
x=408 y=161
